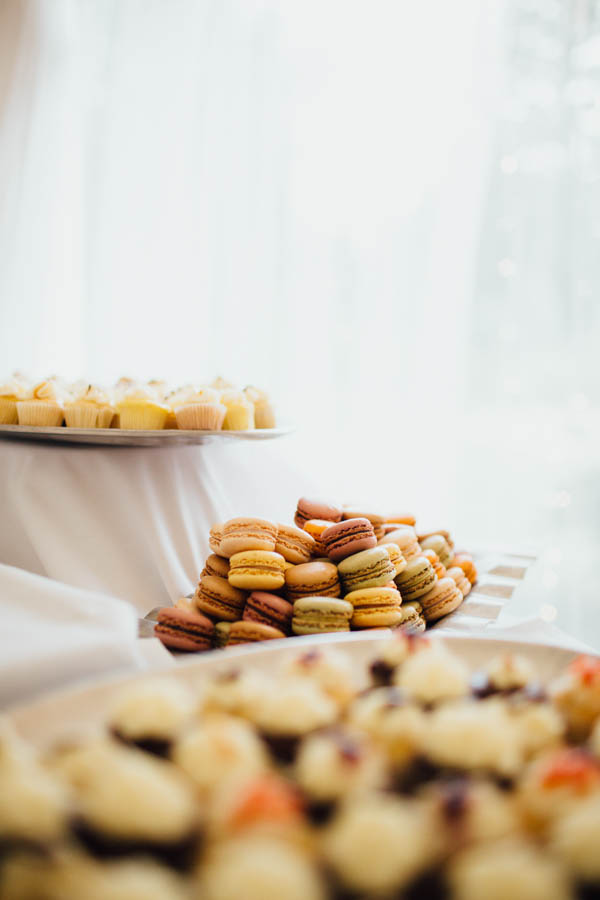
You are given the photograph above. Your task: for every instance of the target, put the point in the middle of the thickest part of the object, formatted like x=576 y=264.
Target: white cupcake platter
x=117 y=437
x=64 y=714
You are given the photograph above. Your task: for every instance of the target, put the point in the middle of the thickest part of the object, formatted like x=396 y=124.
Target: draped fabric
x=384 y=212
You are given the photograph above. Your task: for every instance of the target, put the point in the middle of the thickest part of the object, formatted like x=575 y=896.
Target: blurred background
x=388 y=214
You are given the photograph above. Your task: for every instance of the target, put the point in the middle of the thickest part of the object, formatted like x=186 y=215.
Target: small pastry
x=433 y=675
x=317 y=615
x=465 y=561
x=575 y=840
x=316 y=527
x=576 y=693
x=375 y=519
x=221 y=637
x=556 y=783
x=316 y=509
x=247 y=533
x=389 y=716
x=367 y=569
x=377 y=607
x=411 y=621
x=269 y=609
x=443 y=598
x=342 y=539
x=150 y=713
x=438 y=567
x=439 y=545
x=186 y=631
x=406 y=539
x=239 y=415
x=214 y=539
x=219 y=749
x=291 y=711
x=45 y=408
x=416 y=579
x=330 y=669
x=264 y=414
x=295 y=545
x=245 y=632
x=10 y=392
x=256 y=570
x=216 y=565
x=313 y=579
x=139 y=411
x=396 y=557
x=91 y=408
x=460 y=579
x=201 y=410
x=218 y=598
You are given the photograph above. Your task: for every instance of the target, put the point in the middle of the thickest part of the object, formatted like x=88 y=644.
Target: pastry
x=248 y=632
x=139 y=410
x=316 y=527
x=406 y=539
x=288 y=713
x=257 y=570
x=369 y=568
x=264 y=414
x=294 y=544
x=443 y=598
x=411 y=620
x=345 y=538
x=247 y=533
x=334 y=765
x=315 y=509
x=377 y=607
x=438 y=567
x=218 y=598
x=439 y=545
x=239 y=415
x=465 y=561
x=44 y=408
x=330 y=669
x=315 y=615
x=91 y=408
x=222 y=630
x=200 y=410
x=214 y=539
x=396 y=557
x=11 y=391
x=460 y=579
x=269 y=609
x=402 y=519
x=312 y=579
x=181 y=630
x=417 y=579
x=216 y=565
x=445 y=534
x=375 y=519
x=151 y=713
x=219 y=749
x=577 y=695
x=432 y=675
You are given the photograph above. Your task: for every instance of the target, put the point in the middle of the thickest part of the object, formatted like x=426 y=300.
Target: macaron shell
x=460 y=579
x=245 y=632
x=375 y=607
x=218 y=598
x=314 y=578
x=417 y=579
x=396 y=557
x=269 y=610
x=315 y=509
x=257 y=570
x=316 y=615
x=406 y=539
x=294 y=544
x=442 y=599
x=216 y=565
x=182 y=630
x=348 y=537
x=369 y=568
x=246 y=533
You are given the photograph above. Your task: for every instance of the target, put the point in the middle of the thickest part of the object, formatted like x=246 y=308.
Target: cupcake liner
x=142 y=417
x=200 y=416
x=41 y=413
x=8 y=411
x=105 y=416
x=239 y=417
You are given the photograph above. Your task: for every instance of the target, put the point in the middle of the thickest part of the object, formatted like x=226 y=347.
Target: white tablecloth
x=133 y=522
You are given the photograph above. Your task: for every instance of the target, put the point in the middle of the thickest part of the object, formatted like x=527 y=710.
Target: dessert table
x=133 y=522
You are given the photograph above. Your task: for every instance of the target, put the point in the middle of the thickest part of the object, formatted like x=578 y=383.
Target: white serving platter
x=117 y=437
x=65 y=714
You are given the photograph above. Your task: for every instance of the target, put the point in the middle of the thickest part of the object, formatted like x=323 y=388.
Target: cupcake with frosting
x=199 y=410
x=139 y=410
x=45 y=406
x=16 y=388
x=89 y=408
x=240 y=411
x=264 y=414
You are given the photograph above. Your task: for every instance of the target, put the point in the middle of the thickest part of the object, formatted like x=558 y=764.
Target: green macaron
x=317 y=615
x=369 y=568
x=417 y=578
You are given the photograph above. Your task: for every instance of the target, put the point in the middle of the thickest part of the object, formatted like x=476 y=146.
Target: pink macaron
x=345 y=538
x=316 y=509
x=179 y=629
x=269 y=609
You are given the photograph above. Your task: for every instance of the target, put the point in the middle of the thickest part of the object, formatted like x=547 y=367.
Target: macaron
x=417 y=578
x=406 y=539
x=247 y=533
x=377 y=607
x=259 y=570
x=396 y=557
x=245 y=632
x=317 y=615
x=348 y=537
x=445 y=534
x=375 y=519
x=315 y=509
x=369 y=568
x=295 y=545
x=460 y=579
x=312 y=579
x=216 y=565
x=214 y=538
x=443 y=598
x=316 y=527
x=179 y=629
x=218 y=598
x=411 y=620
x=268 y=609
x=221 y=635
x=465 y=561
x=438 y=567
x=439 y=545
x=401 y=519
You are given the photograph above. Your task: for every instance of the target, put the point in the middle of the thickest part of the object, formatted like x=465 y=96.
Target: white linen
x=134 y=522
x=54 y=635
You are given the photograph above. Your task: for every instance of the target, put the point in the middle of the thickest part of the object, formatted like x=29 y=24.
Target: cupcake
x=265 y=804
x=150 y=713
x=576 y=693
x=201 y=411
x=287 y=714
x=139 y=410
x=44 y=408
x=10 y=392
x=575 y=840
x=128 y=802
x=264 y=415
x=433 y=676
x=556 y=783
x=392 y=721
x=330 y=669
x=90 y=408
x=240 y=411
x=33 y=805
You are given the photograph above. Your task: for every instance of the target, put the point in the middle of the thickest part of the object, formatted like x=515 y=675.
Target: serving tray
x=117 y=437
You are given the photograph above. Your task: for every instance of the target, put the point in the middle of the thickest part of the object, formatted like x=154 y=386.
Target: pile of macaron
x=132 y=404
x=336 y=569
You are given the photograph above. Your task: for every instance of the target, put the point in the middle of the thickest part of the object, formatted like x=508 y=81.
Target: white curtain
x=329 y=199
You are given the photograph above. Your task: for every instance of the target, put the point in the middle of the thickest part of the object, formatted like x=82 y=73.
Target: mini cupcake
x=330 y=669
x=392 y=653
x=239 y=414
x=287 y=714
x=220 y=749
x=265 y=804
x=556 y=783
x=33 y=804
x=139 y=410
x=504 y=674
x=237 y=693
x=201 y=411
x=577 y=695
x=376 y=846
x=264 y=414
x=389 y=717
x=128 y=802
x=433 y=676
x=575 y=839
x=45 y=408
x=10 y=392
x=90 y=408
x=150 y=713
